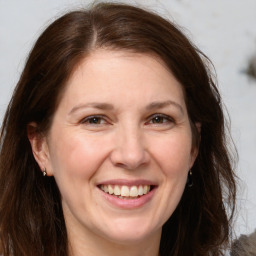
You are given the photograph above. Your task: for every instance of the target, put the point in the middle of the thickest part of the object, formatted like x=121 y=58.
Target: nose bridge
x=129 y=150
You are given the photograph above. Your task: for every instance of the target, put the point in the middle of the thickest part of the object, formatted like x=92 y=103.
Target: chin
x=131 y=231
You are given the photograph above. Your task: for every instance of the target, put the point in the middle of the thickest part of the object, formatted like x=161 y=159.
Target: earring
x=190 y=180
x=44 y=172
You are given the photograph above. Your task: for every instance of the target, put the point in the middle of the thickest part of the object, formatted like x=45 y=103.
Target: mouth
x=126 y=192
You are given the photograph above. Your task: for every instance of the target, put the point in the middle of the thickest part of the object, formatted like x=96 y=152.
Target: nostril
x=129 y=159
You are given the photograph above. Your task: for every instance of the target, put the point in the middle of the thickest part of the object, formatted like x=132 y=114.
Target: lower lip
x=129 y=203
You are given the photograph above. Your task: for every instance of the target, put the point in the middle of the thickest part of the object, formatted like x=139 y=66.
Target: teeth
x=105 y=188
x=146 y=189
x=125 y=192
x=110 y=190
x=141 y=191
x=133 y=191
x=117 y=191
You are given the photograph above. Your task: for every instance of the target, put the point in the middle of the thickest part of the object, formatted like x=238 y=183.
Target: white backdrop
x=223 y=29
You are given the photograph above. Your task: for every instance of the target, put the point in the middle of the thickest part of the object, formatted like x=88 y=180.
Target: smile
x=126 y=192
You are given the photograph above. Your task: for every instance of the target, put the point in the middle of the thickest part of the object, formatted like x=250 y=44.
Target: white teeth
x=105 y=188
x=110 y=190
x=125 y=192
x=145 y=190
x=117 y=191
x=140 y=192
x=133 y=191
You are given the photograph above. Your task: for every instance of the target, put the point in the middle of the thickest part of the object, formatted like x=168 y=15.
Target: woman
x=114 y=143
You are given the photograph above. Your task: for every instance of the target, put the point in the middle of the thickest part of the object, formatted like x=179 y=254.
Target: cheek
x=173 y=154
x=75 y=159
x=74 y=155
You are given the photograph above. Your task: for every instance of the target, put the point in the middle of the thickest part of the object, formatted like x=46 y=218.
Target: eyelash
x=167 y=119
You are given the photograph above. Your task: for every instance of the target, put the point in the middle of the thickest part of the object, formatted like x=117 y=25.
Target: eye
x=160 y=119
x=94 y=120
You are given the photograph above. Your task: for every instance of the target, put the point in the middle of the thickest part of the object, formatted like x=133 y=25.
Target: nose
x=129 y=151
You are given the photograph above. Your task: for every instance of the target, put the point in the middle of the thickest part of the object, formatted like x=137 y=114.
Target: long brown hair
x=31 y=217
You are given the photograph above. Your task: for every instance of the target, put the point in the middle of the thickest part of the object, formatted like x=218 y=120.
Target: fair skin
x=121 y=128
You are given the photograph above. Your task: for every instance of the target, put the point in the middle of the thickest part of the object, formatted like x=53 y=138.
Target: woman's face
x=120 y=147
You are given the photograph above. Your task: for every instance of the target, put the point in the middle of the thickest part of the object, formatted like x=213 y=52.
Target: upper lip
x=126 y=182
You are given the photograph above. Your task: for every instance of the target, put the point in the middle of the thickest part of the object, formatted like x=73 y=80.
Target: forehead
x=105 y=74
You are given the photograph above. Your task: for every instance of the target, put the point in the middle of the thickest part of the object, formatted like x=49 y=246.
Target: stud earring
x=189 y=179
x=44 y=172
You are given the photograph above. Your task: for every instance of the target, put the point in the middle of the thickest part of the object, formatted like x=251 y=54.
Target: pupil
x=94 y=120
x=158 y=119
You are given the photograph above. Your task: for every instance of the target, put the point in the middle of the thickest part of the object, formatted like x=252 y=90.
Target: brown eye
x=158 y=120
x=94 y=120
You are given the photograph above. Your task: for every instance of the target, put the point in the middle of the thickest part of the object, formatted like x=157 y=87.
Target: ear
x=195 y=148
x=39 y=147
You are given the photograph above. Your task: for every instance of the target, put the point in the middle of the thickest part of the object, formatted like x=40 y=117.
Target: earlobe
x=198 y=127
x=198 y=140
x=196 y=145
x=193 y=156
x=39 y=146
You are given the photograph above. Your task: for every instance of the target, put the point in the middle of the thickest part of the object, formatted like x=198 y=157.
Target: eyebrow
x=101 y=106
x=162 y=104
x=106 y=106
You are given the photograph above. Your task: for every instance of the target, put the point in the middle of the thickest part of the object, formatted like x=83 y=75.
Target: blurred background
x=224 y=30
